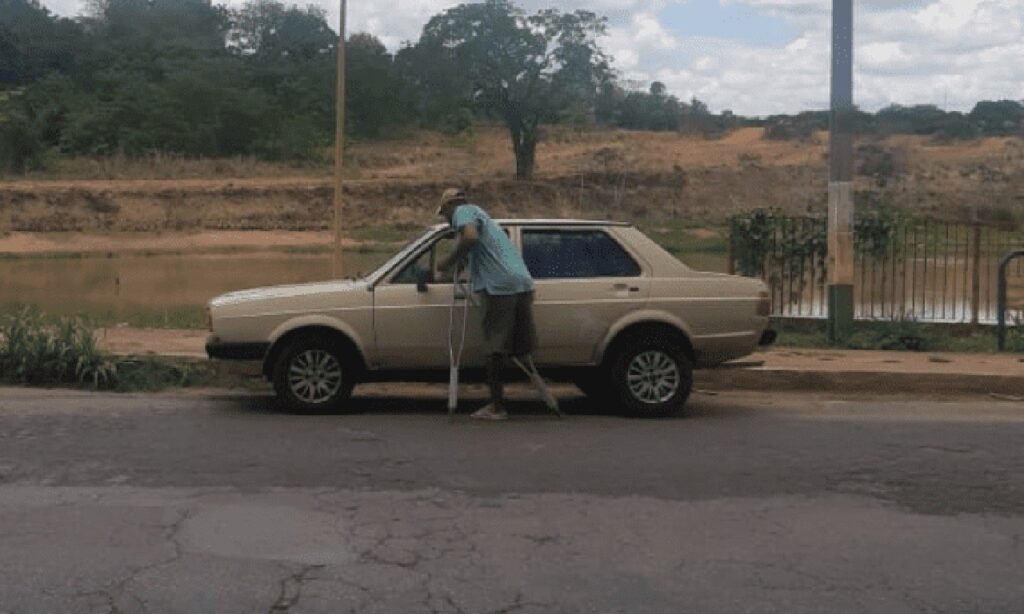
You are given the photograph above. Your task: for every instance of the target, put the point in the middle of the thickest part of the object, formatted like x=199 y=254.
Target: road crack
x=290 y=589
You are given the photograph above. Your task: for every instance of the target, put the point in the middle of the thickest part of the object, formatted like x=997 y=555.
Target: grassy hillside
x=639 y=176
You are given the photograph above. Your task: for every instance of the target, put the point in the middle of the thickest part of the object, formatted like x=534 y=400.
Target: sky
x=760 y=57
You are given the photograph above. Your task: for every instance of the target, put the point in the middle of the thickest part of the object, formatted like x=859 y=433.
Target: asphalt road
x=753 y=503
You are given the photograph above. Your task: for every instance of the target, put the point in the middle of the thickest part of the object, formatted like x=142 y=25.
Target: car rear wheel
x=652 y=377
x=312 y=376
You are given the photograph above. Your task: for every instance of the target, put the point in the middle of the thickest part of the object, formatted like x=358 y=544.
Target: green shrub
x=21 y=149
x=458 y=122
x=155 y=374
x=36 y=350
x=1015 y=335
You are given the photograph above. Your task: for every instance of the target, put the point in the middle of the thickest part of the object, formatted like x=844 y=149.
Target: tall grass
x=36 y=350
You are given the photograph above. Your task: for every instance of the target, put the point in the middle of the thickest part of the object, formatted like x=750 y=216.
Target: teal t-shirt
x=495 y=265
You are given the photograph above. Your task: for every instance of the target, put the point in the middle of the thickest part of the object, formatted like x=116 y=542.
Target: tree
x=269 y=30
x=923 y=119
x=288 y=55
x=998 y=118
x=156 y=30
x=374 y=99
x=525 y=70
x=33 y=42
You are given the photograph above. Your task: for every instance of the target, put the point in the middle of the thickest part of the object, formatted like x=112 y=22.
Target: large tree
x=34 y=42
x=374 y=100
x=270 y=30
x=527 y=70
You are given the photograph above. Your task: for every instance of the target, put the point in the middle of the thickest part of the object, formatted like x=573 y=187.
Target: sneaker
x=489 y=412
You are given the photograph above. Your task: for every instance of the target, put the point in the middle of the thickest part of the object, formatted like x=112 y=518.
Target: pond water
x=132 y=284
x=154 y=285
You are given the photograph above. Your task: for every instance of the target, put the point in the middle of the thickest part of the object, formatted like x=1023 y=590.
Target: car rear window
x=572 y=254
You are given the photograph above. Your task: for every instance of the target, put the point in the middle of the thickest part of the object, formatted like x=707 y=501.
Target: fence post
x=732 y=250
x=976 y=276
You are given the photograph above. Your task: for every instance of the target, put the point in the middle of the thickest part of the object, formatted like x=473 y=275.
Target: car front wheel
x=312 y=376
x=652 y=378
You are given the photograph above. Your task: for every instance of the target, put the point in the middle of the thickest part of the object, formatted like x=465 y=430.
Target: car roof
x=551 y=222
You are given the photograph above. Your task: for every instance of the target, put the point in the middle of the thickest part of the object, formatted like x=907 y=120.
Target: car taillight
x=209 y=319
x=764 y=304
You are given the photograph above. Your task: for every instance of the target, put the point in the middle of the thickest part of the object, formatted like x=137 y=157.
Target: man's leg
x=498 y=321
x=524 y=339
x=495 y=364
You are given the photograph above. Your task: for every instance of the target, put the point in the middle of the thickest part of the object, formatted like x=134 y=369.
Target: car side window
x=426 y=262
x=574 y=254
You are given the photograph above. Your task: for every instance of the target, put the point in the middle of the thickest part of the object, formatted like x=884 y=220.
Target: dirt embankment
x=252 y=204
x=629 y=176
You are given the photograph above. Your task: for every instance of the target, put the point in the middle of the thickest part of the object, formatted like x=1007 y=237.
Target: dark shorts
x=508 y=324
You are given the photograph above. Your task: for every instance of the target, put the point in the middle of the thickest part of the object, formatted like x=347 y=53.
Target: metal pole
x=339 y=143
x=840 y=185
x=732 y=249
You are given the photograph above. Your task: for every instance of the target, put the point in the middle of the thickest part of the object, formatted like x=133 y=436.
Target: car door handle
x=625 y=288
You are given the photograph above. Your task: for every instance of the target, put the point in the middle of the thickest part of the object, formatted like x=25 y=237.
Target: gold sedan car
x=615 y=313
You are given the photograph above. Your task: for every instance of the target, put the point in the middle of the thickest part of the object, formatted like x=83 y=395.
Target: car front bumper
x=215 y=348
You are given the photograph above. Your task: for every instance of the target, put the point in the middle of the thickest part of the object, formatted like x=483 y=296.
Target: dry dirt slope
x=623 y=175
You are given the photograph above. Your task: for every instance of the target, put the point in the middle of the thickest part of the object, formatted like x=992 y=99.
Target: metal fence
x=921 y=269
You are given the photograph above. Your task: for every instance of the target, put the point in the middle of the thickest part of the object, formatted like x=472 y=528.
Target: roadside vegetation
x=899 y=335
x=39 y=350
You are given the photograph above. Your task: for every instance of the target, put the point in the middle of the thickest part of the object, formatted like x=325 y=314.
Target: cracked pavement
x=753 y=503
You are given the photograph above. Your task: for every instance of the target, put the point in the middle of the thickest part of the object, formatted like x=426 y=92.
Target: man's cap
x=450 y=195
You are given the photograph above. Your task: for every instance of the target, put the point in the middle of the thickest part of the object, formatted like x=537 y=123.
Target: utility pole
x=339 y=144
x=840 y=177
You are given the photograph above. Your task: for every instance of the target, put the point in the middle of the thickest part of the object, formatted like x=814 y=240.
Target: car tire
x=652 y=377
x=313 y=376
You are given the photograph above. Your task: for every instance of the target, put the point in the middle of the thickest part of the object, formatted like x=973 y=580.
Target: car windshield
x=393 y=261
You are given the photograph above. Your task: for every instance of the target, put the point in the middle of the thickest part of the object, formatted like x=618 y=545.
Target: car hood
x=284 y=292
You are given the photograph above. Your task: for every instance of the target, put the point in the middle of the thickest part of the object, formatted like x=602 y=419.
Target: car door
x=411 y=321
x=586 y=280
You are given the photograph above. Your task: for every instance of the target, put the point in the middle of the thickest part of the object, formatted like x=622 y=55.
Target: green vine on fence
x=874 y=234
x=766 y=242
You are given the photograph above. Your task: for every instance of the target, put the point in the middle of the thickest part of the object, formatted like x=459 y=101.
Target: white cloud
x=951 y=52
x=944 y=52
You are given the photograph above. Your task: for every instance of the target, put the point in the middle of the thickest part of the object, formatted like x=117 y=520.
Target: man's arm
x=468 y=236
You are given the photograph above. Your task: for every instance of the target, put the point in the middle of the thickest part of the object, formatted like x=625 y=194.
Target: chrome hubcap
x=314 y=376
x=653 y=377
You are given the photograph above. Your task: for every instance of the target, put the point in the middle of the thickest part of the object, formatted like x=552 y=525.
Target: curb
x=874 y=382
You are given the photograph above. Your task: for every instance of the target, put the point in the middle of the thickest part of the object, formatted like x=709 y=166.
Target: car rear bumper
x=215 y=348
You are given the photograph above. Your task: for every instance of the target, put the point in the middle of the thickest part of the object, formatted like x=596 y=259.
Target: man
x=500 y=277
